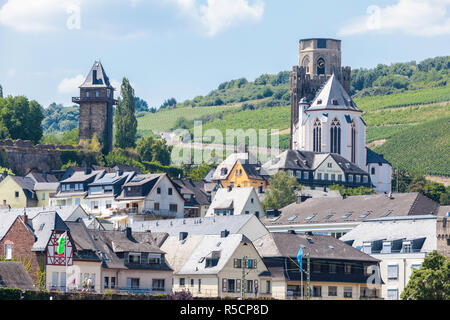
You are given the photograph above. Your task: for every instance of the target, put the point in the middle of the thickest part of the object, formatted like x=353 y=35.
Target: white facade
x=237 y=201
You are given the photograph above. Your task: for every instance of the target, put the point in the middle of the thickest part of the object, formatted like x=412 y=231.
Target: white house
x=235 y=202
x=401 y=243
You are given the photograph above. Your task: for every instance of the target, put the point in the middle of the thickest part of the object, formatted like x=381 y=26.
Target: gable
x=324 y=168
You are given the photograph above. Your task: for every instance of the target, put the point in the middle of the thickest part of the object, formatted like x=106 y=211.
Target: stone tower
x=96 y=107
x=319 y=60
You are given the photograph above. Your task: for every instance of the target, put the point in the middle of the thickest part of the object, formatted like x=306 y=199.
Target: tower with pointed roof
x=319 y=59
x=96 y=102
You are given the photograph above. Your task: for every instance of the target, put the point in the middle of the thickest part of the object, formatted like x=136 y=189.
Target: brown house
x=16 y=240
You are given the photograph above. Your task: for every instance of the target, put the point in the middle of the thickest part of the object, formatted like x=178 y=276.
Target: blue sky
x=184 y=48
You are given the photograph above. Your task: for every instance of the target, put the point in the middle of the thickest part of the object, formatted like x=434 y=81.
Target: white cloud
x=218 y=15
x=70 y=85
x=414 y=17
x=36 y=15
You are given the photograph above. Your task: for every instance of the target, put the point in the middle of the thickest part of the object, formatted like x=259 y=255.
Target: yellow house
x=18 y=192
x=44 y=185
x=245 y=175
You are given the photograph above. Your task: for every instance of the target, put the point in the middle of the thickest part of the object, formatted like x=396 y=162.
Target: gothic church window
x=353 y=142
x=317 y=136
x=321 y=66
x=335 y=136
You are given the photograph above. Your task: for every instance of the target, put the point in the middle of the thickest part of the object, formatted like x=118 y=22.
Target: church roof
x=97 y=77
x=373 y=157
x=333 y=96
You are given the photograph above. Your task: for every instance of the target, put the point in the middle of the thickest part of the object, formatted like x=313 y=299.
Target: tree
x=141 y=105
x=1 y=91
x=198 y=173
x=20 y=118
x=282 y=191
x=431 y=281
x=154 y=150
x=125 y=118
x=358 y=191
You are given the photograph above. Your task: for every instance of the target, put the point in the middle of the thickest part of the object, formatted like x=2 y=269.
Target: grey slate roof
x=81 y=176
x=196 y=263
x=401 y=204
x=178 y=251
x=209 y=225
x=101 y=80
x=333 y=90
x=195 y=188
x=373 y=157
x=280 y=244
x=27 y=185
x=64 y=212
x=84 y=244
x=43 y=225
x=395 y=228
x=14 y=275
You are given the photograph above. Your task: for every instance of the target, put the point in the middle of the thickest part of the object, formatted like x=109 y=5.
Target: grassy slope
x=424 y=147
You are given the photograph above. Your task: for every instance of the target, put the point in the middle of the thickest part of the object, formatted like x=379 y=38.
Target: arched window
x=317 y=136
x=335 y=136
x=305 y=63
x=353 y=141
x=320 y=66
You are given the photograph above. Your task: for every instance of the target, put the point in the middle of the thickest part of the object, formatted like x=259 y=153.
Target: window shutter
x=224 y=285
x=238 y=285
x=256 y=286
x=255 y=264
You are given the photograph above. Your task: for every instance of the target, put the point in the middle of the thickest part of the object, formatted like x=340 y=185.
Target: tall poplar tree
x=1 y=91
x=125 y=118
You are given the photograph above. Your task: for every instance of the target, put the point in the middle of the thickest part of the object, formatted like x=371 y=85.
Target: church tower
x=96 y=102
x=319 y=59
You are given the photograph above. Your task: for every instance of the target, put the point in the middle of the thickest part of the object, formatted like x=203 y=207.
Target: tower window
x=322 y=44
x=321 y=66
x=353 y=142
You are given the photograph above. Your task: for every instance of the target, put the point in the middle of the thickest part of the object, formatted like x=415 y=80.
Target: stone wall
x=22 y=156
x=443 y=236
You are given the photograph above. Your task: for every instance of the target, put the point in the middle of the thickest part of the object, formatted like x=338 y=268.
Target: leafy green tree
x=431 y=281
x=358 y=191
x=9 y=171
x=282 y=191
x=154 y=150
x=141 y=105
x=125 y=118
x=1 y=91
x=120 y=156
x=21 y=118
x=444 y=199
x=172 y=102
x=198 y=173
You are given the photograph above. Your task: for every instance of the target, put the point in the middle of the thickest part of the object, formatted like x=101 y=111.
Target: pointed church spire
x=332 y=96
x=97 y=77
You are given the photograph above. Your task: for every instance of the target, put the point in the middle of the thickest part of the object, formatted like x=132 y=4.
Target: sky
x=185 y=48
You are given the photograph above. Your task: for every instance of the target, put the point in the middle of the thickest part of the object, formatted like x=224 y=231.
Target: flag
x=62 y=243
x=299 y=258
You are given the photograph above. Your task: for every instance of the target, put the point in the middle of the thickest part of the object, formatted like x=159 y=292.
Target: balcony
x=143 y=290
x=158 y=213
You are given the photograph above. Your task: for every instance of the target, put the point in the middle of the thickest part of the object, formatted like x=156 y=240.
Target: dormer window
x=334 y=102
x=154 y=258
x=387 y=246
x=87 y=94
x=134 y=257
x=319 y=101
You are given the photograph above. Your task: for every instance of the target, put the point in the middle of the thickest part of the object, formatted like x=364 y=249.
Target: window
x=320 y=66
x=347 y=268
x=316 y=267
x=392 y=294
x=173 y=208
x=387 y=246
x=251 y=264
x=372 y=171
x=335 y=136
x=158 y=190
x=87 y=94
x=268 y=286
x=322 y=43
x=113 y=282
x=169 y=191
x=106 y=282
x=192 y=282
x=326 y=176
x=333 y=177
x=199 y=285
x=317 y=291
x=133 y=283
x=108 y=204
x=332 y=291
x=305 y=175
x=96 y=94
x=365 y=179
x=231 y=285
x=77 y=201
x=238 y=263
x=416 y=266
x=339 y=177
x=317 y=136
x=330 y=165
x=367 y=247
x=158 y=284
x=134 y=258
x=95 y=204
x=8 y=255
x=392 y=271
x=154 y=259
x=182 y=282
x=319 y=176
x=54 y=280
x=348 y=292
x=333 y=268
x=249 y=287
x=156 y=206
x=17 y=194
x=43 y=196
x=350 y=178
x=406 y=248
x=358 y=178
x=353 y=141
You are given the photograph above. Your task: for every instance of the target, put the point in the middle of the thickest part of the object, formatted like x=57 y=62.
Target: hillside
x=423 y=148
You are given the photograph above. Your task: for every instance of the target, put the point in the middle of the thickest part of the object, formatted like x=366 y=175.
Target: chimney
x=182 y=236
x=25 y=216
x=128 y=232
x=119 y=173
x=224 y=233
x=87 y=171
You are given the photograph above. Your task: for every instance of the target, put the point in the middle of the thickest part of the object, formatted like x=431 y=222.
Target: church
x=324 y=118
